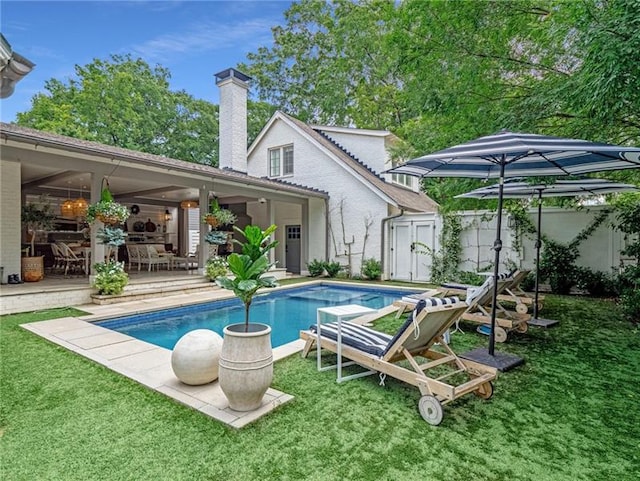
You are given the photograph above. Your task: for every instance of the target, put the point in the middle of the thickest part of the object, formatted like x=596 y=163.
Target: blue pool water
x=286 y=311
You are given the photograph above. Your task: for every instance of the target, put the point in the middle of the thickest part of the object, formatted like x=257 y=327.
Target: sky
x=192 y=39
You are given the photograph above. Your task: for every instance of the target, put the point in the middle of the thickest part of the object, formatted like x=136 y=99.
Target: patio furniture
x=382 y=353
x=150 y=256
x=480 y=301
x=70 y=259
x=133 y=254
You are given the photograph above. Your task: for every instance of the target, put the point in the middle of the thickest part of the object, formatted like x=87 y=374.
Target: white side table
x=339 y=313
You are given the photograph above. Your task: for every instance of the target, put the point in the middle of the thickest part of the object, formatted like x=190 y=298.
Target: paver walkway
x=148 y=364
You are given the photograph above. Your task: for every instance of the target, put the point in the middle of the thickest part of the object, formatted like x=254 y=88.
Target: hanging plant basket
x=107 y=211
x=212 y=220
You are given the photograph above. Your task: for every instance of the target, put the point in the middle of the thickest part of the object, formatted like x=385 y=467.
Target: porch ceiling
x=56 y=165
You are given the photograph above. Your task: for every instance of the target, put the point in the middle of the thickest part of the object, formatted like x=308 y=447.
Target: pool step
x=161 y=288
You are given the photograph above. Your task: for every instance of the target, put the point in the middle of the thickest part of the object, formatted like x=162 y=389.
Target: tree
x=331 y=64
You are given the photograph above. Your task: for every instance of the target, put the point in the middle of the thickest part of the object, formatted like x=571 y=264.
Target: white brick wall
x=11 y=227
x=313 y=168
x=233 y=124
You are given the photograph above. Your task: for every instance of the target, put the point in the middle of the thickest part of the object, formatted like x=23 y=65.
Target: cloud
x=244 y=35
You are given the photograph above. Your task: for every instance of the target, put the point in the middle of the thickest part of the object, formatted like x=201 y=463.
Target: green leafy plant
x=596 y=283
x=107 y=210
x=215 y=267
x=249 y=267
x=557 y=264
x=37 y=216
x=216 y=237
x=218 y=216
x=372 y=269
x=316 y=268
x=332 y=268
x=111 y=278
x=111 y=236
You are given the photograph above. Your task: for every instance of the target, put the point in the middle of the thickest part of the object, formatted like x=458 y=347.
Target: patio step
x=160 y=288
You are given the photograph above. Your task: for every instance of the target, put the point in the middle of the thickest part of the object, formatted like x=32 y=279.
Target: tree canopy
x=125 y=102
x=440 y=73
x=436 y=73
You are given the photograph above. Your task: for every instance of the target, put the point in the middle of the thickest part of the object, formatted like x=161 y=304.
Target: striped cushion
x=430 y=301
x=354 y=335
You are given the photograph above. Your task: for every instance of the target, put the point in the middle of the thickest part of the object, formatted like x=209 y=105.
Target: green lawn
x=570 y=413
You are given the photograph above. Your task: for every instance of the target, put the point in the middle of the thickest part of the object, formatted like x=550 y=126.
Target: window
x=402 y=179
x=281 y=161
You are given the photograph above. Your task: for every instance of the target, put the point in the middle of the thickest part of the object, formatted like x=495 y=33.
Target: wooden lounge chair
x=382 y=353
x=479 y=310
x=512 y=291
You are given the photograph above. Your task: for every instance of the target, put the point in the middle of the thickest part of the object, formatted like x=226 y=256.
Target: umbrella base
x=500 y=360
x=539 y=322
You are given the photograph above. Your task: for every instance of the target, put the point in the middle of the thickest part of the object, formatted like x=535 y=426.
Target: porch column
x=97 y=249
x=306 y=235
x=203 y=248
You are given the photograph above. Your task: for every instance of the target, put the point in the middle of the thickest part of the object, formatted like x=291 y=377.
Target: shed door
x=413 y=244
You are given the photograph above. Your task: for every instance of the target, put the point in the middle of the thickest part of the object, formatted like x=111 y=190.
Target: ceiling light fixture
x=189 y=204
x=66 y=208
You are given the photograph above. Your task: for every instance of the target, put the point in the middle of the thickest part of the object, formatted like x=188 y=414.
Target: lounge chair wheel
x=430 y=410
x=485 y=391
x=522 y=327
x=500 y=334
x=521 y=308
x=539 y=305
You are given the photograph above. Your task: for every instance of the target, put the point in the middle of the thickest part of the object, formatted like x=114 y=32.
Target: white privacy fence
x=599 y=252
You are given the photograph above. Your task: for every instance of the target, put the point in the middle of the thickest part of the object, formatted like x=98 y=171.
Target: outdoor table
x=339 y=313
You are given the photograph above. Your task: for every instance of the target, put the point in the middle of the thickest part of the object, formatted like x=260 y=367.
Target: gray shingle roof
x=405 y=198
x=24 y=134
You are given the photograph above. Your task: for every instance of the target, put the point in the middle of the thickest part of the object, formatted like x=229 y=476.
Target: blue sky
x=193 y=39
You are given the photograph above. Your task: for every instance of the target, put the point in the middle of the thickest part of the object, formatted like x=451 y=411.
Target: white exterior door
x=412 y=245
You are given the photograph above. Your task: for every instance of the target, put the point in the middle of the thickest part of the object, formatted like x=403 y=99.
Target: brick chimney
x=233 y=86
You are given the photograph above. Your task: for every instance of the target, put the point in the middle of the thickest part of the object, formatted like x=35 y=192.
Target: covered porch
x=166 y=198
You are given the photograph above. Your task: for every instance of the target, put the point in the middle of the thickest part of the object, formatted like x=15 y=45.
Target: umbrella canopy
x=511 y=154
x=561 y=188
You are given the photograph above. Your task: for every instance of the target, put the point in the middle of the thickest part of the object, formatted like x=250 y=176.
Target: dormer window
x=402 y=179
x=281 y=161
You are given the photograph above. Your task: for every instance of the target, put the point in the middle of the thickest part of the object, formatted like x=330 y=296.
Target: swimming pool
x=287 y=311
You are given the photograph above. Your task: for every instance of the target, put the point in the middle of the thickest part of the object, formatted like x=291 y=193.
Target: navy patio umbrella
x=512 y=154
x=560 y=188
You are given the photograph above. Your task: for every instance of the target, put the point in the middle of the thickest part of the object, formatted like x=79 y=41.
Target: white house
x=348 y=164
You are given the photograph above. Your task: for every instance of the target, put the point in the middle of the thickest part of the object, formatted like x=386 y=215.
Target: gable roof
x=37 y=137
x=395 y=194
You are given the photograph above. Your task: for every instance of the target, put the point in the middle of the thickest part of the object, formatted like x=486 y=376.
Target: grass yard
x=570 y=413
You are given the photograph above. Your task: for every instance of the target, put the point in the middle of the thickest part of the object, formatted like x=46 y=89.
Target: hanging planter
x=218 y=216
x=107 y=211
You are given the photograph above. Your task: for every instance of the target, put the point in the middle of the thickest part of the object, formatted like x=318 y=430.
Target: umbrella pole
x=497 y=246
x=538 y=246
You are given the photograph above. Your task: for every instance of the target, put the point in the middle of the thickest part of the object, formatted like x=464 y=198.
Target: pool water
x=287 y=311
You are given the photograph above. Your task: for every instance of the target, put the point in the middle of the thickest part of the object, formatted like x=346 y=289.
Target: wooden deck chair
x=383 y=353
x=514 y=293
x=479 y=310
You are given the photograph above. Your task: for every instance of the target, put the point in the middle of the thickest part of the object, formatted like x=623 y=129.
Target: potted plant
x=107 y=211
x=110 y=278
x=218 y=216
x=246 y=361
x=36 y=217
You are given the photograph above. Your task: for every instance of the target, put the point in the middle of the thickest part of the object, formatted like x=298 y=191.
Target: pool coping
x=150 y=365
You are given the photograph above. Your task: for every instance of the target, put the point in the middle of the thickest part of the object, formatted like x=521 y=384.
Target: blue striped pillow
x=355 y=335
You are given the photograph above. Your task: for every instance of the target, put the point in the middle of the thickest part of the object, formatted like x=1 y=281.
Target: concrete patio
x=148 y=364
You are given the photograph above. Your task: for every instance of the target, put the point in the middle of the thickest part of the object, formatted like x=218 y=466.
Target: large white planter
x=246 y=365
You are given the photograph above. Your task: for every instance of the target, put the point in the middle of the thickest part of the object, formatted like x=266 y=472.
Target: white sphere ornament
x=195 y=357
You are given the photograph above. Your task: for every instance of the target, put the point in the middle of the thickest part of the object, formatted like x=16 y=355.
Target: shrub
x=528 y=284
x=471 y=278
x=215 y=267
x=110 y=277
x=332 y=268
x=596 y=283
x=630 y=304
x=372 y=269
x=558 y=266
x=316 y=268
